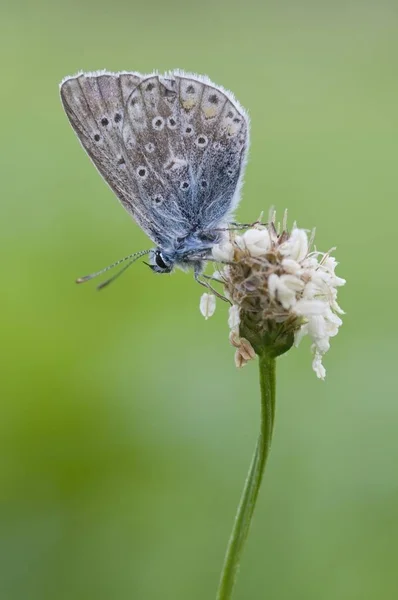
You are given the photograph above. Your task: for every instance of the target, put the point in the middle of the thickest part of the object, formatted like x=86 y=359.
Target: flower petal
x=223 y=252
x=310 y=308
x=257 y=241
x=234 y=318
x=207 y=305
x=318 y=366
x=296 y=247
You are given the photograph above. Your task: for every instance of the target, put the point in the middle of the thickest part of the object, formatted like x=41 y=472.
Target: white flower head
x=280 y=291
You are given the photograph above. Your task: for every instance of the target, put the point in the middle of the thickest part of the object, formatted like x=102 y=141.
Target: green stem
x=251 y=489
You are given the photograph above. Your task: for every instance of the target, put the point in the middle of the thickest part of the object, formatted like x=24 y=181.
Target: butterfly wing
x=215 y=131
x=172 y=148
x=96 y=107
x=194 y=136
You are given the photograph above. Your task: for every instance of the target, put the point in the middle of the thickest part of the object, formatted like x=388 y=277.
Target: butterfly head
x=163 y=261
x=159 y=262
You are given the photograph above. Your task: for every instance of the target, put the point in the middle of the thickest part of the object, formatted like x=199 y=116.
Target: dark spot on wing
x=104 y=121
x=118 y=117
x=213 y=99
x=97 y=137
x=150 y=87
x=158 y=123
x=190 y=89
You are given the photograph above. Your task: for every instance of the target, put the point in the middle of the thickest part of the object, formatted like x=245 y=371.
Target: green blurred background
x=126 y=430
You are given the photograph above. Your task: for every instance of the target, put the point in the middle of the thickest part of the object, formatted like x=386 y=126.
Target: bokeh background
x=125 y=429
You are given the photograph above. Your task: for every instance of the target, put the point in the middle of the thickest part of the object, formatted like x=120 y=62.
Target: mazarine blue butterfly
x=173 y=149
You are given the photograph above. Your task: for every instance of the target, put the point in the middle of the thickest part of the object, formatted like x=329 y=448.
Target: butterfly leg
x=207 y=285
x=246 y=225
x=210 y=278
x=233 y=226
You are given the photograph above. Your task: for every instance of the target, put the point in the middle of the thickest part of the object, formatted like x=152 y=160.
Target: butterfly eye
x=159 y=260
x=161 y=263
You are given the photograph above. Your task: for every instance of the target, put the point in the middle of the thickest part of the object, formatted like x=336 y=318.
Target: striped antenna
x=132 y=257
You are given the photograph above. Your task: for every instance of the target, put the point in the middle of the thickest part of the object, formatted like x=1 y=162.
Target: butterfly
x=172 y=147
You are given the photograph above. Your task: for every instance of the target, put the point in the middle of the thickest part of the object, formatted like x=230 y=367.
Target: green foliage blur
x=125 y=429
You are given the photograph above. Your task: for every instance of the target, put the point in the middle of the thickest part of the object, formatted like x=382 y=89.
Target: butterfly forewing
x=95 y=106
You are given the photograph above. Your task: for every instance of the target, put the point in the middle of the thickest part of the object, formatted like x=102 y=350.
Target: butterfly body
x=188 y=251
x=172 y=148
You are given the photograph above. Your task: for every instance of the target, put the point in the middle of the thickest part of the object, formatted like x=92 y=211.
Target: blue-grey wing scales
x=173 y=147
x=215 y=131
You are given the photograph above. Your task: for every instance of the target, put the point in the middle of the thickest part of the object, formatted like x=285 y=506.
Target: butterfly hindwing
x=215 y=130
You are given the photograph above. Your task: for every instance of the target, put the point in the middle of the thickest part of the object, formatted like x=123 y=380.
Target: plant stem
x=251 y=489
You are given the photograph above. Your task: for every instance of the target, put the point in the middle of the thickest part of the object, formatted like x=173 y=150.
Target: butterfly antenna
x=108 y=281
x=132 y=257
